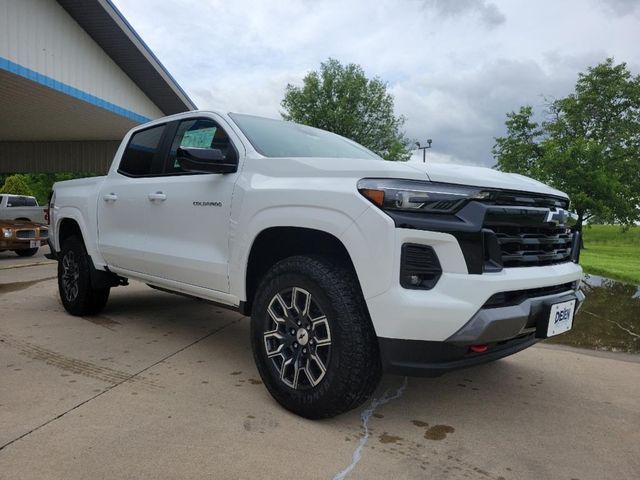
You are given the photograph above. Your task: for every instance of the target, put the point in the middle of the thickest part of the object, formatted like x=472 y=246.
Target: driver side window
x=198 y=133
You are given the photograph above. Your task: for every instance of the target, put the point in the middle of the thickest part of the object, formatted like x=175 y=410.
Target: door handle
x=110 y=197
x=160 y=196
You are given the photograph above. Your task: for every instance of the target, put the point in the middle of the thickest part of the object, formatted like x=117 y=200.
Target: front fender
x=328 y=220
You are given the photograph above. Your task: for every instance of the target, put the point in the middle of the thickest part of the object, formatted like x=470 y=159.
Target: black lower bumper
x=418 y=358
x=504 y=331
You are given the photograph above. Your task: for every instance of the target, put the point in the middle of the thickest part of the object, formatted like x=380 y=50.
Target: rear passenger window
x=30 y=202
x=141 y=157
x=16 y=202
x=199 y=133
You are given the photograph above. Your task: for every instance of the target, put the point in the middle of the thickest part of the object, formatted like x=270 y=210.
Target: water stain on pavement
x=386 y=438
x=17 y=286
x=438 y=432
x=419 y=423
x=609 y=318
x=102 y=320
x=260 y=425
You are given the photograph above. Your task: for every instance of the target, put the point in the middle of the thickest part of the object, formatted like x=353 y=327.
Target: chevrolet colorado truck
x=347 y=264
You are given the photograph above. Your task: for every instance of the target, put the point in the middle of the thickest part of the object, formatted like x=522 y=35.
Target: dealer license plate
x=34 y=243
x=561 y=318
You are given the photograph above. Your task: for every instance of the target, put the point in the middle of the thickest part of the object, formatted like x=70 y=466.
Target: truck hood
x=436 y=172
x=483 y=177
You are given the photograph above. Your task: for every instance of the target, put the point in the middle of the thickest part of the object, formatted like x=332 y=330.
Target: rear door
x=123 y=203
x=187 y=215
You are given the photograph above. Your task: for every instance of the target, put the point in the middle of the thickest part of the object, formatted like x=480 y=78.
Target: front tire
x=312 y=339
x=27 y=252
x=74 y=280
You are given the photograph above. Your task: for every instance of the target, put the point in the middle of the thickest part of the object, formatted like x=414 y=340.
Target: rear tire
x=317 y=351
x=74 y=280
x=27 y=252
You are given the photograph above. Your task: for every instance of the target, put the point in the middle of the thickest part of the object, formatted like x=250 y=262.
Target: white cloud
x=622 y=7
x=455 y=67
x=487 y=12
x=431 y=157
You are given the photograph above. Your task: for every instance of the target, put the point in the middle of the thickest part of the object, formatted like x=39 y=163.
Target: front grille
x=506 y=197
x=516 y=297
x=526 y=239
x=527 y=246
x=507 y=229
x=44 y=233
x=25 y=234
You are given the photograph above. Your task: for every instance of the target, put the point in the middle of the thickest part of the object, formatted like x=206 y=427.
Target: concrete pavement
x=160 y=386
x=9 y=259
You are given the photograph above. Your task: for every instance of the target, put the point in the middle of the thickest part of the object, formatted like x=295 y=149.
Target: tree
x=520 y=150
x=40 y=184
x=588 y=147
x=342 y=100
x=17 y=185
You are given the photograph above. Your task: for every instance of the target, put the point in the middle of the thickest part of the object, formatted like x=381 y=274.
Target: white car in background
x=21 y=207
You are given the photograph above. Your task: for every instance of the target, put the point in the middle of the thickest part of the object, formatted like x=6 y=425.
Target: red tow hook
x=479 y=348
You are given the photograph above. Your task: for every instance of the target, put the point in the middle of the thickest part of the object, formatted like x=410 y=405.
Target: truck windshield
x=276 y=138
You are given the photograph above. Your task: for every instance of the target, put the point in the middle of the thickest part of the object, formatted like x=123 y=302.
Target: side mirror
x=205 y=160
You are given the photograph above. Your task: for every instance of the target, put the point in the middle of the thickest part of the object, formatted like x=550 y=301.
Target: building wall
x=39 y=37
x=50 y=157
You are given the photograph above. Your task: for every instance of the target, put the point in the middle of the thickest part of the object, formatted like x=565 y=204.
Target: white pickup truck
x=21 y=207
x=349 y=265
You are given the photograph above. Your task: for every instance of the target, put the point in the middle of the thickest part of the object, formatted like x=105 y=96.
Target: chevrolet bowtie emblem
x=559 y=216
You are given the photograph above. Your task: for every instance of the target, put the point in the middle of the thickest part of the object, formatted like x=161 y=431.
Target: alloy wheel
x=70 y=276
x=297 y=338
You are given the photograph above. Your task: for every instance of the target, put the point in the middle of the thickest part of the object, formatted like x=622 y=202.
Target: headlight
x=418 y=196
x=7 y=232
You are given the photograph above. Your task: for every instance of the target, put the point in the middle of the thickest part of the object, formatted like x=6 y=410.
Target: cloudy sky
x=455 y=67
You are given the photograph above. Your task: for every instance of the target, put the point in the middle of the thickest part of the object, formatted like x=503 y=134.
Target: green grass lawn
x=612 y=253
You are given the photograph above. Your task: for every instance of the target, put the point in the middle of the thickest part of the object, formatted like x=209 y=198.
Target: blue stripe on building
x=49 y=82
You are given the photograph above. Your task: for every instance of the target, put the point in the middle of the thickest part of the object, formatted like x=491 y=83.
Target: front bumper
x=437 y=314
x=504 y=330
x=19 y=244
x=417 y=358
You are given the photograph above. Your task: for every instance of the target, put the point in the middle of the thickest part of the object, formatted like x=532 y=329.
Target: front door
x=187 y=215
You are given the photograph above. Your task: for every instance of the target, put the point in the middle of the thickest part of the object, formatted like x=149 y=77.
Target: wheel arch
x=68 y=227
x=69 y=221
x=279 y=242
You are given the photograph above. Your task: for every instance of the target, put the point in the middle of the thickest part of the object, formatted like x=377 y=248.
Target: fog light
x=419 y=267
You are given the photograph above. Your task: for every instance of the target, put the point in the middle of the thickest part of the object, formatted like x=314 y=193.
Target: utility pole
x=424 y=149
